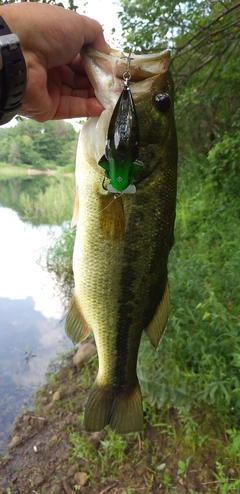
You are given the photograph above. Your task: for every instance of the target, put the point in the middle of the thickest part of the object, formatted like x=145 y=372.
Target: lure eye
x=162 y=102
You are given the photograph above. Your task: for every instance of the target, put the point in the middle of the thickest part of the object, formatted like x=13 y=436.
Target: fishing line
x=55 y=239
x=62 y=237
x=116 y=196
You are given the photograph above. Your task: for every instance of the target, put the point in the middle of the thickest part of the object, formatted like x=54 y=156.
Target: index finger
x=93 y=35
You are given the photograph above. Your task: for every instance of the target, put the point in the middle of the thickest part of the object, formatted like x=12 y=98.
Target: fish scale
x=123 y=242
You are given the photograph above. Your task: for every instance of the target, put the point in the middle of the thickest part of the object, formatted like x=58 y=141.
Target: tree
x=204 y=39
x=41 y=145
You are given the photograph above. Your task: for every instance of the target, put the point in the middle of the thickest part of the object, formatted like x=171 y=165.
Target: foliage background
x=198 y=362
x=47 y=145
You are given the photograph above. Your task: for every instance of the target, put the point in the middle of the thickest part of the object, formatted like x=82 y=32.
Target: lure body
x=121 y=159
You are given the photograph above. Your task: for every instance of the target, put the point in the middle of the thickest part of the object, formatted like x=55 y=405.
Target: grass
x=170 y=454
x=52 y=206
x=193 y=448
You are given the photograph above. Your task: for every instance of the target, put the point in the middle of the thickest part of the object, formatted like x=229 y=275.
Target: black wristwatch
x=13 y=74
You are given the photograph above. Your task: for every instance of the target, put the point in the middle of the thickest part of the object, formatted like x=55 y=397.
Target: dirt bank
x=51 y=454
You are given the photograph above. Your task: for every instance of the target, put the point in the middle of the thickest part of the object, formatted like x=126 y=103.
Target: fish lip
x=100 y=67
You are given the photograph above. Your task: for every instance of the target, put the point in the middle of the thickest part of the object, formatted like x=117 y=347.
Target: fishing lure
x=121 y=159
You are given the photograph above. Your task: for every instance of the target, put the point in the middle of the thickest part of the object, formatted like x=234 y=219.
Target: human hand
x=51 y=38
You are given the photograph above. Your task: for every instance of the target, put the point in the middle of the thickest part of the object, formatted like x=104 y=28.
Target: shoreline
x=9 y=172
x=35 y=171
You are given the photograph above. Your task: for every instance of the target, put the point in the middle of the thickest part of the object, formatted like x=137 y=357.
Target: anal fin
x=159 y=321
x=75 y=326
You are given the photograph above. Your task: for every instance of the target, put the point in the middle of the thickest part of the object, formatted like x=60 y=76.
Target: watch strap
x=12 y=73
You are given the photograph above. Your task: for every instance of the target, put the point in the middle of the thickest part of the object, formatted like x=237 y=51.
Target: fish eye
x=162 y=102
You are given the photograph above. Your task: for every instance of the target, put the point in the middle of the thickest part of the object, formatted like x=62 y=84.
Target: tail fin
x=122 y=412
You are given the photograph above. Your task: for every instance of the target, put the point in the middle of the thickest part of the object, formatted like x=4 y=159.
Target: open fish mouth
x=142 y=66
x=106 y=72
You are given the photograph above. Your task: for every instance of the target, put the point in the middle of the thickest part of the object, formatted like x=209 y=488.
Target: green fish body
x=123 y=240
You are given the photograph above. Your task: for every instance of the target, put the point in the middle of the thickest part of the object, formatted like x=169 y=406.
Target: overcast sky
x=105 y=11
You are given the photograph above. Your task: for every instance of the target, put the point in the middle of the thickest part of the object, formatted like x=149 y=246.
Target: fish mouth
x=106 y=72
x=141 y=66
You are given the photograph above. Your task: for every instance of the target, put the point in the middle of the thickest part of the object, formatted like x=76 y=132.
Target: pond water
x=31 y=315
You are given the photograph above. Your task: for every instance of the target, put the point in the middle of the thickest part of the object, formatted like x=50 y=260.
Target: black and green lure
x=121 y=159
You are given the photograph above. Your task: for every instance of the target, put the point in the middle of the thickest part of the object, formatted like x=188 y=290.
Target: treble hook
x=127 y=74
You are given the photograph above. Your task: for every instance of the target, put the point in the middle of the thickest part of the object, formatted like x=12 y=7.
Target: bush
x=59 y=263
x=224 y=161
x=198 y=360
x=50 y=206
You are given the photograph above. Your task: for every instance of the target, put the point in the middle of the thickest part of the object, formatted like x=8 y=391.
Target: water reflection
x=20 y=248
x=30 y=321
x=12 y=188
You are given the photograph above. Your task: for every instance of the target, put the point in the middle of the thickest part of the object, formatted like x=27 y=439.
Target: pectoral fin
x=111 y=217
x=76 y=327
x=159 y=321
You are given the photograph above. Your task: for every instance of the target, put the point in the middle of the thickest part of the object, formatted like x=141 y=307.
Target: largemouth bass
x=123 y=240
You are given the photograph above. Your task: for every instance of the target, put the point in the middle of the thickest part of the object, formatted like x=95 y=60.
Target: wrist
x=12 y=73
